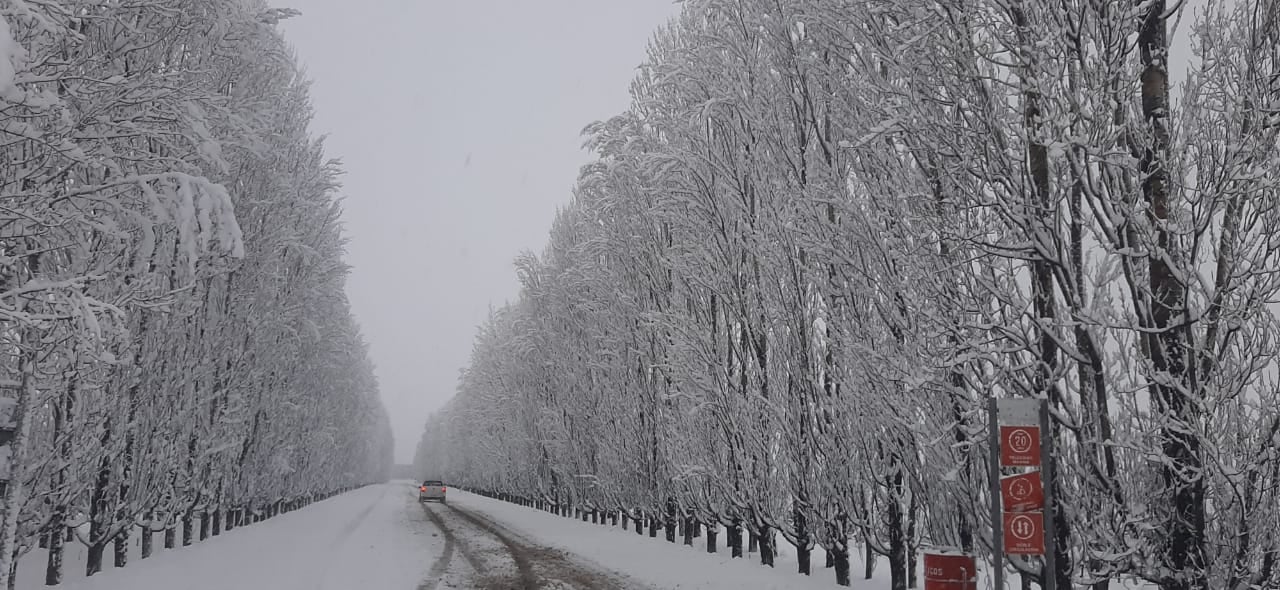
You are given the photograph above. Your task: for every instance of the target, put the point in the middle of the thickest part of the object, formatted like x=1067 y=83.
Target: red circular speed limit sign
x=1020 y=441
x=1019 y=446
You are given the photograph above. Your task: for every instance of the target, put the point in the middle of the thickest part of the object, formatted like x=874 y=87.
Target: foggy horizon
x=440 y=174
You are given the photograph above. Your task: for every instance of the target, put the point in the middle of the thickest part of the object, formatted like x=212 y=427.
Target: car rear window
x=432 y=483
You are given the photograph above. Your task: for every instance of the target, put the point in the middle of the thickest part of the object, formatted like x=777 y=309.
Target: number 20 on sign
x=1019 y=446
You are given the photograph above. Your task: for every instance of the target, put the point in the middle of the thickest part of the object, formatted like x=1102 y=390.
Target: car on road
x=432 y=490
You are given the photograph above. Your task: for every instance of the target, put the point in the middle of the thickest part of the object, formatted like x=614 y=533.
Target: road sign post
x=1049 y=471
x=1022 y=503
x=997 y=531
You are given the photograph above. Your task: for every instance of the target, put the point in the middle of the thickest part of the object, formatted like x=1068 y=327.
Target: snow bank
x=654 y=560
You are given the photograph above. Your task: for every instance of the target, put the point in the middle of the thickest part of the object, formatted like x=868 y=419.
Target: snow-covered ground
x=653 y=560
x=380 y=538
x=676 y=566
x=368 y=539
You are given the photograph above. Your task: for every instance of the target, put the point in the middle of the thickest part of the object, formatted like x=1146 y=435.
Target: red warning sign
x=1022 y=493
x=1024 y=533
x=1019 y=446
x=950 y=571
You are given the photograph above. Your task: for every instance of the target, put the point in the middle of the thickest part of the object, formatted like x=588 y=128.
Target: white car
x=432 y=490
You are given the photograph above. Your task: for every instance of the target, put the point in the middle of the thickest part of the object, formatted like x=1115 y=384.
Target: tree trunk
x=1184 y=527
x=840 y=557
x=1043 y=229
x=62 y=419
x=671 y=520
x=913 y=508
x=188 y=526
x=54 y=563
x=711 y=538
x=148 y=537
x=98 y=507
x=803 y=550
x=14 y=489
x=53 y=566
x=93 y=562
x=735 y=538
x=204 y=525
x=690 y=525
x=766 y=540
x=897 y=534
x=751 y=540
x=170 y=536
x=869 y=562
x=120 y=544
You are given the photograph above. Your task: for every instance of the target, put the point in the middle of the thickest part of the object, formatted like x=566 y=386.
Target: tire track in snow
x=519 y=554
x=442 y=563
x=537 y=567
x=451 y=539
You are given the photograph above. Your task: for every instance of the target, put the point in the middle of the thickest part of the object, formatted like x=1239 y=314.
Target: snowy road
x=374 y=538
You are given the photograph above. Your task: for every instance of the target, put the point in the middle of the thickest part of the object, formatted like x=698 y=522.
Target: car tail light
x=444 y=489
x=422 y=489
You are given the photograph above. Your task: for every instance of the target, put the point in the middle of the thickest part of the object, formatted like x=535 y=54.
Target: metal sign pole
x=993 y=475
x=1047 y=469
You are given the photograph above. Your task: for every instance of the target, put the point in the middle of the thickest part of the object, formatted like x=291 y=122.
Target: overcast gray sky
x=457 y=122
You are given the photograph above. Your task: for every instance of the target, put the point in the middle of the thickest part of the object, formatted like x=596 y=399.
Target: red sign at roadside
x=950 y=571
x=1019 y=446
x=1024 y=533
x=1022 y=493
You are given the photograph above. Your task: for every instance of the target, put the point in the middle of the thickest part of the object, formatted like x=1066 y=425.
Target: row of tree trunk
x=685 y=526
x=194 y=525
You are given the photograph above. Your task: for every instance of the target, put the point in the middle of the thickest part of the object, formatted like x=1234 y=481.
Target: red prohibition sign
x=1023 y=492
x=1019 y=446
x=1020 y=442
x=1024 y=533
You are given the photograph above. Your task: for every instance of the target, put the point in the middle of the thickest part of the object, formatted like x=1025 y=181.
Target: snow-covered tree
x=178 y=345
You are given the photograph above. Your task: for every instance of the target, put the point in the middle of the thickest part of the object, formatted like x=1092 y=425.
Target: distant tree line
x=828 y=231
x=177 y=354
